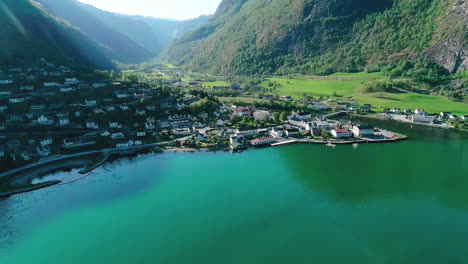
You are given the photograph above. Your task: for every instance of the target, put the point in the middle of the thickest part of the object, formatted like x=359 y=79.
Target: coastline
x=409 y=123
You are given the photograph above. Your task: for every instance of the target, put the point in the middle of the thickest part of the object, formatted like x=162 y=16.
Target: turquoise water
x=377 y=203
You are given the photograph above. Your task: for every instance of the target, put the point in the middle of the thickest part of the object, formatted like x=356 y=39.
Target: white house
x=277 y=132
x=46 y=141
x=363 y=130
x=45 y=120
x=292 y=132
x=51 y=84
x=300 y=116
x=149 y=125
x=91 y=124
x=419 y=118
x=90 y=103
x=141 y=134
x=118 y=135
x=64 y=121
x=43 y=151
x=114 y=125
x=340 y=133
x=262 y=115
x=16 y=100
x=420 y=112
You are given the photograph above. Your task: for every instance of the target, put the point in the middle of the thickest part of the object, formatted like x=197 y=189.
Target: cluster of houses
x=299 y=125
x=422 y=117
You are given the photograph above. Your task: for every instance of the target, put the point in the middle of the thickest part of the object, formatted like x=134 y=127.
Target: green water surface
x=374 y=203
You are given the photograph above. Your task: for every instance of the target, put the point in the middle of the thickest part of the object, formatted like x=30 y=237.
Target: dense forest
x=321 y=37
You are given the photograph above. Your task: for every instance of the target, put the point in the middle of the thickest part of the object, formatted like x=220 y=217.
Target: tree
x=283 y=116
x=276 y=117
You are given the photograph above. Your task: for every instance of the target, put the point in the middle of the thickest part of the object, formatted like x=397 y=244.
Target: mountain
x=29 y=32
x=324 y=36
x=134 y=38
x=102 y=27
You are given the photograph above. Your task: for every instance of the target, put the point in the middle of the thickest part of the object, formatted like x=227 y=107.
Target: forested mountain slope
x=29 y=32
x=134 y=38
x=325 y=36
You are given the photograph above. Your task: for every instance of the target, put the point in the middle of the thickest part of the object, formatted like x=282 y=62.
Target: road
x=62 y=157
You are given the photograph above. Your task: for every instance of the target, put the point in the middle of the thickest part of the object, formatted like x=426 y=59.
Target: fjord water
x=377 y=203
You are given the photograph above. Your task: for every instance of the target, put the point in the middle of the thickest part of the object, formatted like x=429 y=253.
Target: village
x=47 y=111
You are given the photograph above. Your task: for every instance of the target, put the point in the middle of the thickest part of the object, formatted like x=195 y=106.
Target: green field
x=347 y=85
x=211 y=84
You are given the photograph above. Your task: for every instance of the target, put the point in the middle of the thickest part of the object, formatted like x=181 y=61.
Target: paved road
x=62 y=157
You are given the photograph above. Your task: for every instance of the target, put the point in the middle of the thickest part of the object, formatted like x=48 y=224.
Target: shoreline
x=409 y=123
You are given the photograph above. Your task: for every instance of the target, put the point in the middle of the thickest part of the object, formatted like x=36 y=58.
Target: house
x=445 y=115
x=395 y=110
x=114 y=125
x=64 y=121
x=277 y=132
x=454 y=117
x=268 y=97
x=180 y=121
x=292 y=132
x=66 y=89
x=203 y=115
x=92 y=124
x=98 y=85
x=45 y=120
x=6 y=81
x=118 y=135
x=141 y=134
x=262 y=115
x=43 y=151
x=2 y=151
x=37 y=108
x=464 y=117
x=340 y=133
x=242 y=111
x=182 y=131
x=246 y=132
x=363 y=130
x=321 y=107
x=121 y=94
x=123 y=143
x=366 y=107
x=90 y=102
x=149 y=125
x=285 y=98
x=105 y=133
x=300 y=116
x=420 y=112
x=46 y=141
x=262 y=141
x=27 y=87
x=2 y=126
x=3 y=108
x=15 y=100
x=140 y=112
x=164 y=124
x=425 y=119
x=51 y=84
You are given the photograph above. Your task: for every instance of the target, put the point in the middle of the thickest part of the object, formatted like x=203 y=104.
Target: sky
x=176 y=9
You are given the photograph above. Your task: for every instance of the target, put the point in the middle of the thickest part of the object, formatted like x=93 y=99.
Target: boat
x=329 y=144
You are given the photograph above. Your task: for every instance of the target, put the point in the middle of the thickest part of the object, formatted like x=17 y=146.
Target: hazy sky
x=178 y=9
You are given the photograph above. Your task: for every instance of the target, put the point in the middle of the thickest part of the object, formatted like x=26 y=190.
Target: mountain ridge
x=321 y=37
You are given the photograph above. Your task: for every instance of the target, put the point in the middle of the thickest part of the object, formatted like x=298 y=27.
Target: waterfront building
x=262 y=141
